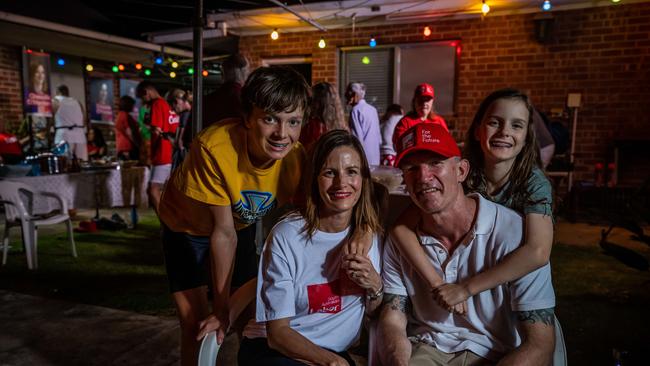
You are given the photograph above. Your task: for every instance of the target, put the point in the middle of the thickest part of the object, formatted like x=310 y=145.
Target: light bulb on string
x=426 y=31
x=120 y=67
x=321 y=43
x=159 y=60
x=485 y=8
x=373 y=42
x=365 y=60
x=546 y=5
x=275 y=35
x=190 y=71
x=147 y=72
x=616 y=1
x=174 y=64
x=60 y=62
x=172 y=74
x=89 y=68
x=138 y=66
x=115 y=68
x=205 y=73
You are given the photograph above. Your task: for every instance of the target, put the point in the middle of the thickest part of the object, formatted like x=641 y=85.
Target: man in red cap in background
x=422 y=111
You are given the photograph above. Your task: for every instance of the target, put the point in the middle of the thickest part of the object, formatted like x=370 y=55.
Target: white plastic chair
x=239 y=300
x=18 y=214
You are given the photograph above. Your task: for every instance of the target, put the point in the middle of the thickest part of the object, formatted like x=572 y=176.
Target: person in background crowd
x=311 y=296
x=461 y=237
x=69 y=123
x=235 y=173
x=127 y=132
x=505 y=168
x=364 y=121
x=326 y=114
x=393 y=115
x=163 y=122
x=225 y=102
x=177 y=100
x=422 y=111
x=96 y=143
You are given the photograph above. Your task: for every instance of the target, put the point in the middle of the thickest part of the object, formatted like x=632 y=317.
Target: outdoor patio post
x=197 y=90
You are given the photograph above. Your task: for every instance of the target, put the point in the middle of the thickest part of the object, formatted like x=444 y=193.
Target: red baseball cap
x=426 y=137
x=424 y=90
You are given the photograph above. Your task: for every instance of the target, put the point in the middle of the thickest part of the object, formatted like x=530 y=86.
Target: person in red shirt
x=163 y=122
x=422 y=111
x=326 y=114
x=127 y=133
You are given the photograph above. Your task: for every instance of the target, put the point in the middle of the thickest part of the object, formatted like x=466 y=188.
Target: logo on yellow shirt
x=253 y=205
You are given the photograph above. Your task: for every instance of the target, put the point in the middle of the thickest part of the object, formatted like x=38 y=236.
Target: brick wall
x=11 y=100
x=603 y=53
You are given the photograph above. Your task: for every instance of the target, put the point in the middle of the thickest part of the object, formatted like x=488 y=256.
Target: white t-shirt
x=387 y=130
x=490 y=327
x=301 y=279
x=69 y=114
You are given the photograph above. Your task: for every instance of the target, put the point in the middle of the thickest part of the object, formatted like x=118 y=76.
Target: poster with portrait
x=101 y=100
x=127 y=87
x=36 y=84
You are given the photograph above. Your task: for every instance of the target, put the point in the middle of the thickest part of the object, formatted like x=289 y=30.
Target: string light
x=138 y=66
x=60 y=62
x=159 y=60
x=615 y=1
x=546 y=5
x=120 y=67
x=205 y=73
x=190 y=71
x=147 y=72
x=115 y=68
x=365 y=60
x=172 y=74
x=275 y=35
x=427 y=31
x=89 y=68
x=485 y=8
x=321 y=43
x=174 y=64
x=373 y=42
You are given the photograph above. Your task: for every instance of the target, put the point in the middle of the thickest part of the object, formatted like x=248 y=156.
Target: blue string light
x=373 y=42
x=60 y=62
x=546 y=5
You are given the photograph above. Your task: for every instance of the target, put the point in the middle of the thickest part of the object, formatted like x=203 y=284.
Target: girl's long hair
x=365 y=213
x=326 y=106
x=524 y=163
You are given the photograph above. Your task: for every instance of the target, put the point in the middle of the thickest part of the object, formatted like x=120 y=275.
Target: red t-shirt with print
x=163 y=117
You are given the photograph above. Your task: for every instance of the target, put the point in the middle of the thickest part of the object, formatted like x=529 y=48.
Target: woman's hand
x=214 y=323
x=360 y=270
x=452 y=296
x=360 y=243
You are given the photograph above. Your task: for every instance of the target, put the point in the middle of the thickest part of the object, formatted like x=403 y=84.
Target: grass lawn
x=601 y=303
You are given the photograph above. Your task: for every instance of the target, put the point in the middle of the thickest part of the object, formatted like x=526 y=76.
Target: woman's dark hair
x=326 y=106
x=365 y=215
x=98 y=140
x=126 y=104
x=392 y=110
x=524 y=163
x=275 y=89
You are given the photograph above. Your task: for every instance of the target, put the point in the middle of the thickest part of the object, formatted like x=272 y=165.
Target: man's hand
x=213 y=323
x=452 y=296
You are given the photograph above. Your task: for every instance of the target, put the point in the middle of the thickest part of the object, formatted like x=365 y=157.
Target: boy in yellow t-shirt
x=235 y=172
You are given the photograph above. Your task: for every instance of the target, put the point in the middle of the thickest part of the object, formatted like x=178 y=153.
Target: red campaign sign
x=324 y=298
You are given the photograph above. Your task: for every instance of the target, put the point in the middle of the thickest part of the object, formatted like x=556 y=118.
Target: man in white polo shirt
x=462 y=235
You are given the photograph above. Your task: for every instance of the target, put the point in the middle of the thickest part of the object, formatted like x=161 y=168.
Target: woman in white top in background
x=311 y=295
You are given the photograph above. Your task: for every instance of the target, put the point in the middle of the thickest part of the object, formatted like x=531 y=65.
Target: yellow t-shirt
x=217 y=171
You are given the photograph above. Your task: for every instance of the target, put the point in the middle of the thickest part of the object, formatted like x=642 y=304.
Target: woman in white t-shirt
x=311 y=294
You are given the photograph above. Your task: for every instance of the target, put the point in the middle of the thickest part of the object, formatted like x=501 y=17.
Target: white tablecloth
x=91 y=189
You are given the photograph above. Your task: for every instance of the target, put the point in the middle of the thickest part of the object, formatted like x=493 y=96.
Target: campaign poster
x=127 y=87
x=101 y=100
x=36 y=84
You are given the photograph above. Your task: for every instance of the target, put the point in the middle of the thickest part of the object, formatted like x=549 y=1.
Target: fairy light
x=205 y=73
x=321 y=43
x=138 y=66
x=89 y=68
x=120 y=67
x=485 y=8
x=427 y=31
x=159 y=60
x=275 y=35
x=115 y=68
x=174 y=64
x=190 y=71
x=373 y=42
x=365 y=60
x=172 y=74
x=147 y=72
x=546 y=5
x=60 y=62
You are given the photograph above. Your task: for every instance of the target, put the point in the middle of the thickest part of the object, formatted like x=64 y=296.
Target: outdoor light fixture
x=546 y=5
x=60 y=62
x=275 y=35
x=485 y=8
x=373 y=42
x=205 y=73
x=321 y=43
x=147 y=72
x=115 y=68
x=159 y=60
x=190 y=71
x=120 y=67
x=89 y=67
x=138 y=66
x=172 y=74
x=174 y=64
x=427 y=31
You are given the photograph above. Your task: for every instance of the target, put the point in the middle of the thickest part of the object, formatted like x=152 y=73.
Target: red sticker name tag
x=324 y=298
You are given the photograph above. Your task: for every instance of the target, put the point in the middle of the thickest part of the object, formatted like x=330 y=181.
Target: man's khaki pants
x=425 y=355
